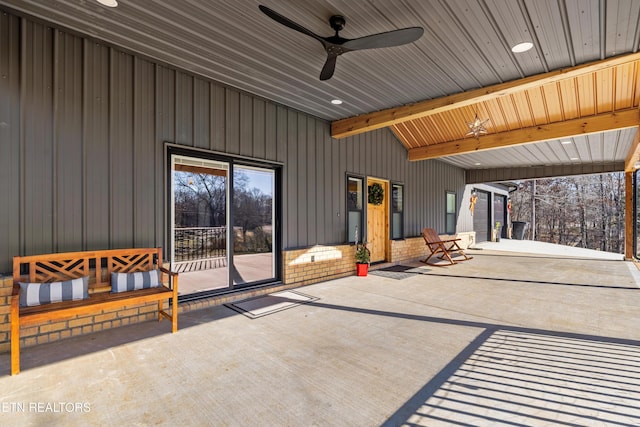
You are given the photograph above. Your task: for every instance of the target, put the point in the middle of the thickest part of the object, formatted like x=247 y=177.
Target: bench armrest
x=169 y=272
x=173 y=279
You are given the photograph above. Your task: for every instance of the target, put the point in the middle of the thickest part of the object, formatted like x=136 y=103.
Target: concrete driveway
x=502 y=339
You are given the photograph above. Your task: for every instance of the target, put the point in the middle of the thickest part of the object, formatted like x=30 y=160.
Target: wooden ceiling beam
x=581 y=126
x=379 y=119
x=634 y=154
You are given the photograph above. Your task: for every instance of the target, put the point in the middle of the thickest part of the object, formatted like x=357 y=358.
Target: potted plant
x=362 y=259
x=498 y=230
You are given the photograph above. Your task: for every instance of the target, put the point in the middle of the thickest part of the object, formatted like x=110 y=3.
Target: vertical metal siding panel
x=232 y=122
x=281 y=132
x=399 y=155
x=414 y=203
x=364 y=150
x=259 y=132
x=357 y=161
x=426 y=199
x=245 y=122
x=38 y=136
x=410 y=191
x=446 y=183
x=96 y=171
x=270 y=132
x=217 y=110
x=311 y=184
x=440 y=191
x=338 y=214
x=376 y=149
x=376 y=160
x=68 y=140
x=281 y=140
x=291 y=195
x=372 y=146
x=394 y=169
x=341 y=196
x=121 y=150
x=321 y=188
x=329 y=172
x=164 y=132
x=347 y=146
x=144 y=155
x=201 y=115
x=184 y=109
x=165 y=104
x=301 y=179
x=429 y=176
x=10 y=137
x=361 y=151
x=387 y=153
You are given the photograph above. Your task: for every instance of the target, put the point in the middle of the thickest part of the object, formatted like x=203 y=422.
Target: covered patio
x=506 y=338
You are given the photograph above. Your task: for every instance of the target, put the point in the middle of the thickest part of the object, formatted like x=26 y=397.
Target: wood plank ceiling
x=593 y=98
x=569 y=85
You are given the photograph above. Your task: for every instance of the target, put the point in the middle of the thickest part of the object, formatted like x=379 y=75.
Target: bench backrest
x=98 y=265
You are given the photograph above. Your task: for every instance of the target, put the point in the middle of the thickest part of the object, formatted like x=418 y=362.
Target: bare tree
x=585 y=211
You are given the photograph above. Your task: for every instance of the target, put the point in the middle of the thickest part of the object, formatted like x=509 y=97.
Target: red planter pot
x=362 y=269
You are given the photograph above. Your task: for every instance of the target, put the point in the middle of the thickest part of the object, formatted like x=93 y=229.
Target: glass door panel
x=199 y=223
x=253 y=224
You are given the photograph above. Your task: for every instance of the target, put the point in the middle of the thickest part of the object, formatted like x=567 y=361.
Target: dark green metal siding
x=83 y=127
x=11 y=183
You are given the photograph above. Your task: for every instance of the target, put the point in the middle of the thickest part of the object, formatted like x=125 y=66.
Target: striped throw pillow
x=122 y=282
x=44 y=293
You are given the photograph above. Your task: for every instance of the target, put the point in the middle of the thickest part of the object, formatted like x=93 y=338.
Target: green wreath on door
x=376 y=194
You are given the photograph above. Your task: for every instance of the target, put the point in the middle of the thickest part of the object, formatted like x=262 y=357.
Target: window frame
x=392 y=231
x=350 y=238
x=447 y=214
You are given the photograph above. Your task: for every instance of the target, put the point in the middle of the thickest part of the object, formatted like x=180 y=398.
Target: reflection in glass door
x=199 y=232
x=253 y=224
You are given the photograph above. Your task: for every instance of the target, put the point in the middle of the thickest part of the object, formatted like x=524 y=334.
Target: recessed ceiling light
x=565 y=142
x=477 y=163
x=522 y=47
x=108 y=3
x=336 y=101
x=574 y=158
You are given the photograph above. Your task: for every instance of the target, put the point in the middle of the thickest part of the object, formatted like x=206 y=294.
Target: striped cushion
x=44 y=293
x=122 y=282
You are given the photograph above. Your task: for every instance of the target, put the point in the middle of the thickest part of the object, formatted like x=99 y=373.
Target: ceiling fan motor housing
x=337 y=22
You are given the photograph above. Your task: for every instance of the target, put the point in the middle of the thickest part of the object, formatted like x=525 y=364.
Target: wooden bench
x=98 y=266
x=445 y=247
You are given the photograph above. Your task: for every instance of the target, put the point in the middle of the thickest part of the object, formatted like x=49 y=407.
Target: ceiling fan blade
x=289 y=23
x=329 y=67
x=388 y=39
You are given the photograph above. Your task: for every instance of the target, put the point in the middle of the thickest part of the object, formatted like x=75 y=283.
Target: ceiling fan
x=336 y=45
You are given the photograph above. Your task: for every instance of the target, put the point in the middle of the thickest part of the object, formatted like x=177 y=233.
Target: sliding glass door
x=223 y=217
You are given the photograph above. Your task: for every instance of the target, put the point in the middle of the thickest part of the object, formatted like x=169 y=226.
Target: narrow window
x=636 y=213
x=355 y=214
x=397 y=211
x=451 y=213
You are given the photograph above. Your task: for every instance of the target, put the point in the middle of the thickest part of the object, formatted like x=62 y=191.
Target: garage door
x=481 y=217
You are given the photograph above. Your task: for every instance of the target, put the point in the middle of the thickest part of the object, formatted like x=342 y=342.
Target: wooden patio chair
x=445 y=247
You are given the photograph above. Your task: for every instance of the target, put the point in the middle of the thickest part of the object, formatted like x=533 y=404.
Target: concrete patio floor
x=503 y=339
